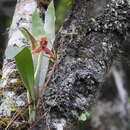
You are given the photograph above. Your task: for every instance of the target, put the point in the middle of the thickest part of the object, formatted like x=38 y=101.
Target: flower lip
x=43 y=41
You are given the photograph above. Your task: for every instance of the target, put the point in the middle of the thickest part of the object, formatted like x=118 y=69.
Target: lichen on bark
x=94 y=33
x=88 y=41
x=14 y=94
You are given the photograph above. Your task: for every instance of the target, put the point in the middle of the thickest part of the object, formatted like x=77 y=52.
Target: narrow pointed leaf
x=29 y=36
x=37 y=25
x=49 y=31
x=25 y=66
x=49 y=25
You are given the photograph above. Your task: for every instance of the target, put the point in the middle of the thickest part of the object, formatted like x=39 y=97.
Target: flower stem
x=32 y=108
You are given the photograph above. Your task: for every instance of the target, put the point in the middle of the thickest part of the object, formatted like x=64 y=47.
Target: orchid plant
x=35 y=66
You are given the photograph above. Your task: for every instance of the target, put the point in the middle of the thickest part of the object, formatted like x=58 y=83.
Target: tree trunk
x=92 y=36
x=14 y=94
x=94 y=33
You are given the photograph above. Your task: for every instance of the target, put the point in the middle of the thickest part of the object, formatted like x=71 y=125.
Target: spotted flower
x=43 y=47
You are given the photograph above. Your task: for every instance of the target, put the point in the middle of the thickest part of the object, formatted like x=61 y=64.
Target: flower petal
x=47 y=51
x=35 y=51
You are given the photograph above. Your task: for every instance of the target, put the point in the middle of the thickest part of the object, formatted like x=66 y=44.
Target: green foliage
x=41 y=62
x=84 y=116
x=1 y=79
x=37 y=26
x=28 y=37
x=24 y=64
x=49 y=25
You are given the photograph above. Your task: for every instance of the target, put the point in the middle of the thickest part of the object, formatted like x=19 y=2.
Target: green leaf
x=25 y=66
x=49 y=25
x=28 y=36
x=87 y=114
x=37 y=25
x=11 y=52
x=83 y=117
x=40 y=74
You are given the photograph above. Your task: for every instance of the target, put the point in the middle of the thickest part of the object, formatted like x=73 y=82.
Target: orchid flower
x=43 y=47
x=42 y=43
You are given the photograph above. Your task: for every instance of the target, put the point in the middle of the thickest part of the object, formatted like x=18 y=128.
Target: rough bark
x=14 y=94
x=93 y=34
